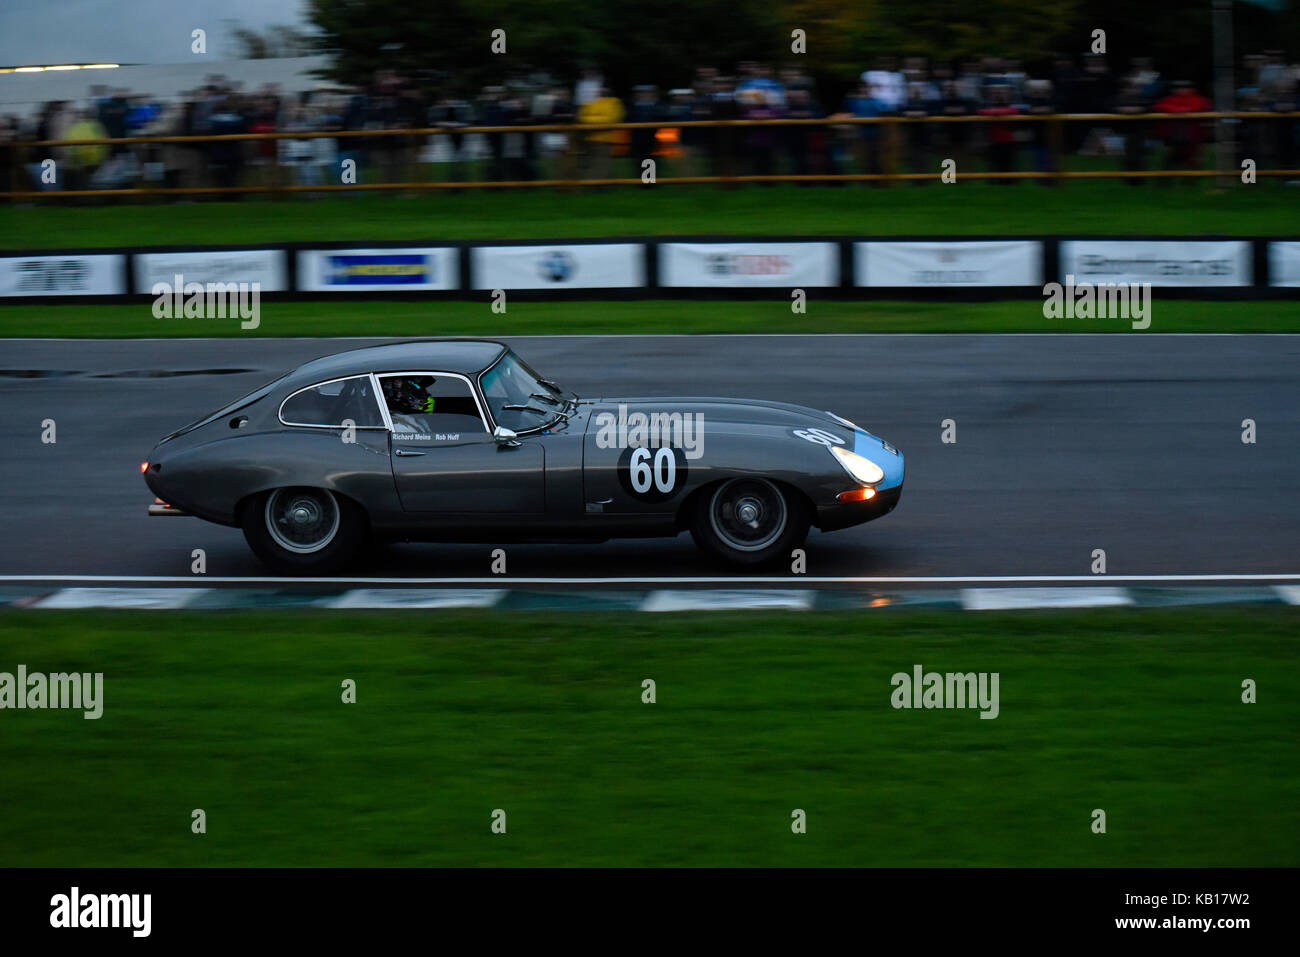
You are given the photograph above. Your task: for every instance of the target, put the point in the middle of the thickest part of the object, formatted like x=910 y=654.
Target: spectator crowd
x=913 y=88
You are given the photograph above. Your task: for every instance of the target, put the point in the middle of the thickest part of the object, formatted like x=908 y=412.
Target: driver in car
x=409 y=403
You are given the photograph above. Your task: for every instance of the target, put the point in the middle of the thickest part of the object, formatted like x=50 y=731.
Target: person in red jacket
x=1001 y=136
x=1182 y=137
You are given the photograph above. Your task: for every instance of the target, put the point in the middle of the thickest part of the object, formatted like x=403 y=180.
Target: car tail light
x=144 y=467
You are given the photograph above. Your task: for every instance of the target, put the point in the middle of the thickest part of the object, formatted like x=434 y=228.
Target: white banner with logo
x=580 y=266
x=266 y=267
x=957 y=263
x=378 y=270
x=1160 y=262
x=788 y=265
x=68 y=275
x=1284 y=264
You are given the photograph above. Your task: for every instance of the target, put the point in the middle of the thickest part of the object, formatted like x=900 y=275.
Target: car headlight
x=863 y=469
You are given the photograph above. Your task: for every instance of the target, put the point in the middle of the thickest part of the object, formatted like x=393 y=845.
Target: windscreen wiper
x=559 y=413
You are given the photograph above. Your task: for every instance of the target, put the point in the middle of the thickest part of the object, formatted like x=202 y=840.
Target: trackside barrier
x=667 y=267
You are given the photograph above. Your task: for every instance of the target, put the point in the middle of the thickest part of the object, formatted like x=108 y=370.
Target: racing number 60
x=663 y=475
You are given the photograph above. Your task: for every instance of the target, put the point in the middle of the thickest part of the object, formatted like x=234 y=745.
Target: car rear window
x=336 y=404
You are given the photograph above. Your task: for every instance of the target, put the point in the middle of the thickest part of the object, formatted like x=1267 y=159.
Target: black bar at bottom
x=333 y=906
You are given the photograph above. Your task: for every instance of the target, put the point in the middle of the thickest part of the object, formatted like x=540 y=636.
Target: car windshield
x=519 y=398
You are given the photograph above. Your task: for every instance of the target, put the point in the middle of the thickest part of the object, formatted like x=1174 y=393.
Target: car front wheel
x=303 y=530
x=749 y=521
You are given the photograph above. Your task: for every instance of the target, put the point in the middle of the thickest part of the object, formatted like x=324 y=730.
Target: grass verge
x=1137 y=712
x=459 y=318
x=961 y=209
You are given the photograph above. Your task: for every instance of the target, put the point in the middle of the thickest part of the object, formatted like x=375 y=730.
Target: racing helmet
x=405 y=395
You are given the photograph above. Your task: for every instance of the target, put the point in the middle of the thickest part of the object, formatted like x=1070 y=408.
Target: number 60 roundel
x=652 y=474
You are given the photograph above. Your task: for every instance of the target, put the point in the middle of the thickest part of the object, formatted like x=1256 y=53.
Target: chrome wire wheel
x=302 y=520
x=748 y=514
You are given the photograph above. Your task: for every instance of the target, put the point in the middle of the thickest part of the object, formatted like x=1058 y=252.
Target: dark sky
x=129 y=31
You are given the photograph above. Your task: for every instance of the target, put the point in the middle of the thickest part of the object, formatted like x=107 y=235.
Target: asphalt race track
x=1130 y=443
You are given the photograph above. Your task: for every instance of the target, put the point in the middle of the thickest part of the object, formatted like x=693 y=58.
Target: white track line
x=509 y=581
x=122 y=598
x=669 y=599
x=999 y=599
x=416 y=598
x=1288 y=593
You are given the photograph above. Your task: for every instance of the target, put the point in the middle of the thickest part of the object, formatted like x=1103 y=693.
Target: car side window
x=335 y=404
x=437 y=407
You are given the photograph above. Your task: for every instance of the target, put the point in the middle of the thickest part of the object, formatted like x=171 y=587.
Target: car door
x=445 y=460
x=632 y=468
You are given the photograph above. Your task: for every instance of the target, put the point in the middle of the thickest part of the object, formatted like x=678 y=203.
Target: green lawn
x=965 y=209
x=456 y=318
x=1183 y=208
x=1136 y=712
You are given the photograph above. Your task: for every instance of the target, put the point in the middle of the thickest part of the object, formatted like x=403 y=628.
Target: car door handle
x=407 y=452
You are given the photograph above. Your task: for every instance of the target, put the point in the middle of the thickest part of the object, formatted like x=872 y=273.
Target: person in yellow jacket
x=82 y=161
x=606 y=108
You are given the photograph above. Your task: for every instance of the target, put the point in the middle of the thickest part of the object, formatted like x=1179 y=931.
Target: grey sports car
x=459 y=440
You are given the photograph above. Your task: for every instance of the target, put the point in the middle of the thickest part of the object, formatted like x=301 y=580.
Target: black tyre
x=749 y=522
x=300 y=530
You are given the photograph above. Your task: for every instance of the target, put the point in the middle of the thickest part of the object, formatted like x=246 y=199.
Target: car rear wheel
x=304 y=530
x=749 y=521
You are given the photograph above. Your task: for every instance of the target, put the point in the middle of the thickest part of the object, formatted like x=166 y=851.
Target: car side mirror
x=505 y=437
